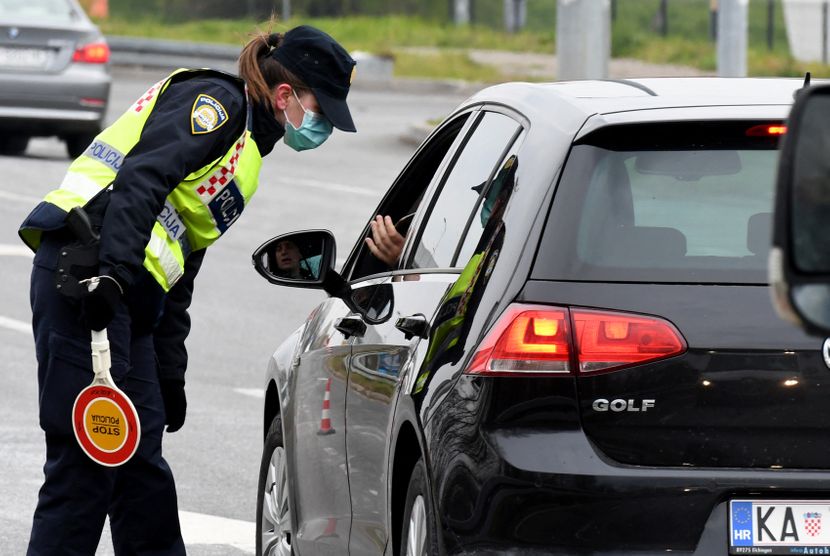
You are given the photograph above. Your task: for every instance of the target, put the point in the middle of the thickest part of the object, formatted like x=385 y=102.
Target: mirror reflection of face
x=287 y=256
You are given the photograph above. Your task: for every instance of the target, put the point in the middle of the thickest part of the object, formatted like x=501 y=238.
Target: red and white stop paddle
x=104 y=419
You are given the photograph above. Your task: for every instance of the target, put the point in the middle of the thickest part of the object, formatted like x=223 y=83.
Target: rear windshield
x=672 y=203
x=35 y=11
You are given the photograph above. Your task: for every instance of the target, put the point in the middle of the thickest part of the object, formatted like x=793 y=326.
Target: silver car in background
x=54 y=74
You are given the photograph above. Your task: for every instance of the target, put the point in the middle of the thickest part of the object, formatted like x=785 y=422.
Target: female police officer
x=161 y=184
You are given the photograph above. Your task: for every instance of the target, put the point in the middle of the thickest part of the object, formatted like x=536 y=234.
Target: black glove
x=100 y=301
x=175 y=403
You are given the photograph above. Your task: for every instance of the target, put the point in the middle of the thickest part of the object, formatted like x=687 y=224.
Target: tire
x=419 y=536
x=273 y=510
x=77 y=143
x=14 y=145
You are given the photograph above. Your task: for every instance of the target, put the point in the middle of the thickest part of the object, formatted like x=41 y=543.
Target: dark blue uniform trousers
x=77 y=493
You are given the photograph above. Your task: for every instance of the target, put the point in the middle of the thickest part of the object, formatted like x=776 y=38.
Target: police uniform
x=162 y=183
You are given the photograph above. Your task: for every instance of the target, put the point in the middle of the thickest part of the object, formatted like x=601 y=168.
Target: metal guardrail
x=132 y=51
x=131 y=45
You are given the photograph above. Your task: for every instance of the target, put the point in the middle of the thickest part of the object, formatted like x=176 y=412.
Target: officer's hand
x=100 y=301
x=175 y=403
x=386 y=243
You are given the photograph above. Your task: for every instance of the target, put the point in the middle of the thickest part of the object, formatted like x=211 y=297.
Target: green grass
x=380 y=35
x=442 y=65
x=373 y=34
x=635 y=34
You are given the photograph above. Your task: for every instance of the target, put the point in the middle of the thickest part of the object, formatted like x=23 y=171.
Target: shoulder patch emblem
x=207 y=115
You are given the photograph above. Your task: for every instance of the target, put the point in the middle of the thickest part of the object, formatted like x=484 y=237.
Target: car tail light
x=608 y=340
x=766 y=130
x=527 y=339
x=92 y=53
x=538 y=340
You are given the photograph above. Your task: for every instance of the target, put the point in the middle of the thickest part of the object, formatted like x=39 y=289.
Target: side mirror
x=799 y=262
x=306 y=260
x=299 y=259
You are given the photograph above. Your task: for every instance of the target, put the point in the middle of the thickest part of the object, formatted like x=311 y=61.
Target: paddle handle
x=101 y=359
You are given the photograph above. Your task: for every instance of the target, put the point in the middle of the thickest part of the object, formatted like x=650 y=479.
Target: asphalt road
x=238 y=318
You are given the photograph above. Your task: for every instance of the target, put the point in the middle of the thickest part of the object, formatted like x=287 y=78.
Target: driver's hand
x=386 y=243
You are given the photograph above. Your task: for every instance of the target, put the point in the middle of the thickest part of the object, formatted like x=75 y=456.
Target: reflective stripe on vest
x=195 y=214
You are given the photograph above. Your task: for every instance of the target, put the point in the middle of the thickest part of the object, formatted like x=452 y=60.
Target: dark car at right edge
x=576 y=352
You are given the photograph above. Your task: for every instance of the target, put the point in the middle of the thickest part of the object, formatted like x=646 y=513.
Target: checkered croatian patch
x=221 y=195
x=207 y=115
x=139 y=105
x=209 y=188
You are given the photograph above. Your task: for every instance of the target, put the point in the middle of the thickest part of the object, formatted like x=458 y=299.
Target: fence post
x=583 y=38
x=732 y=37
x=824 y=32
x=713 y=20
x=286 y=10
x=770 y=24
x=664 y=17
x=461 y=12
x=509 y=16
x=515 y=15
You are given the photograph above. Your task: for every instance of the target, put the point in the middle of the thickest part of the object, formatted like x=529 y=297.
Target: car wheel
x=14 y=145
x=273 y=512
x=418 y=534
x=77 y=143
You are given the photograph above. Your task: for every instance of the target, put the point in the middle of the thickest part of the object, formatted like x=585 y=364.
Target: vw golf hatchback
x=575 y=352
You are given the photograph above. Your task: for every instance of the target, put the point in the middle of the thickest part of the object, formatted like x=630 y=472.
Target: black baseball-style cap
x=324 y=66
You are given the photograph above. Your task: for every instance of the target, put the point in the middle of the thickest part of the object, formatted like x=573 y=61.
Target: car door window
x=405 y=196
x=490 y=207
x=461 y=190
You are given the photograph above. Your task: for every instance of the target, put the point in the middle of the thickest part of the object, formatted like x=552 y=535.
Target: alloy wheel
x=416 y=541
x=276 y=517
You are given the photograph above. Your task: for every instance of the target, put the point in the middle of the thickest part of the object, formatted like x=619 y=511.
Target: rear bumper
x=712 y=543
x=529 y=488
x=73 y=101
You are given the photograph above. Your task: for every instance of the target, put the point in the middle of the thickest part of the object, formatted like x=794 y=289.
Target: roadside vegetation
x=435 y=48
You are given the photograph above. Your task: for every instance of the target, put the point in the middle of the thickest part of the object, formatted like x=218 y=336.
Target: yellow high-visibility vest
x=199 y=210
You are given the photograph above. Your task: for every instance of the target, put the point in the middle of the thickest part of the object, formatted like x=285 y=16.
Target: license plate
x=779 y=527
x=23 y=58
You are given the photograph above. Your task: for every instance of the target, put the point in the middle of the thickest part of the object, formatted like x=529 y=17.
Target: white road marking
x=17 y=325
x=330 y=186
x=9 y=196
x=15 y=251
x=210 y=529
x=253 y=392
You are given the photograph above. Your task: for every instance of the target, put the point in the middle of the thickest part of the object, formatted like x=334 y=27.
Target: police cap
x=324 y=66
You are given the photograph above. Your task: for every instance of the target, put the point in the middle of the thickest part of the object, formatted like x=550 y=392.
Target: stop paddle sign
x=104 y=419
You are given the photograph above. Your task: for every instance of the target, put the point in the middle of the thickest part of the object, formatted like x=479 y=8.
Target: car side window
x=490 y=208
x=461 y=190
x=402 y=201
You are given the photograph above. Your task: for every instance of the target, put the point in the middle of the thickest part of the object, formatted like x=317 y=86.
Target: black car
x=576 y=353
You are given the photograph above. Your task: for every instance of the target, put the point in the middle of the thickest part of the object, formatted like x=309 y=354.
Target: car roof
x=673 y=97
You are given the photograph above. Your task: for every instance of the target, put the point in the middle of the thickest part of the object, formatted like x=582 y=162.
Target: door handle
x=351 y=326
x=415 y=325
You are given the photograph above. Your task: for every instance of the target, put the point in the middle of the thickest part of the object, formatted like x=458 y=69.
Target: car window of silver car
x=471 y=174
x=36 y=10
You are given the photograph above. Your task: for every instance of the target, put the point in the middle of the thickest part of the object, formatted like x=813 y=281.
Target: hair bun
x=274 y=40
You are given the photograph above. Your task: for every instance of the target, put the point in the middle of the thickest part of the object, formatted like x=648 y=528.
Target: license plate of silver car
x=23 y=58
